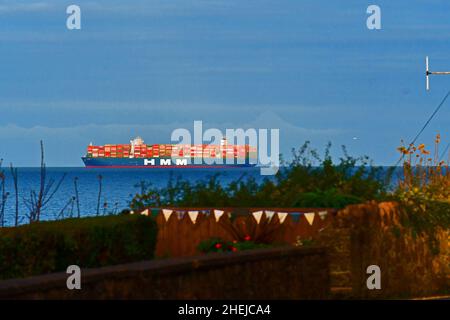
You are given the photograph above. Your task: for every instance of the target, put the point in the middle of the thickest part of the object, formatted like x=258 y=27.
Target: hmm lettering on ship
x=165 y=162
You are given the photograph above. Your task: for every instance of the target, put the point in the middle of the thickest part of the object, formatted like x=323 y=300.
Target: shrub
x=46 y=247
x=307 y=181
x=424 y=192
x=328 y=199
x=219 y=245
x=424 y=175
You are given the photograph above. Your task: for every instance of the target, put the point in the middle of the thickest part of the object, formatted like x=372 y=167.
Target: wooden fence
x=180 y=230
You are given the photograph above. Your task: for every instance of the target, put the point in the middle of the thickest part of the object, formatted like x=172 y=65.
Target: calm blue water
x=118 y=186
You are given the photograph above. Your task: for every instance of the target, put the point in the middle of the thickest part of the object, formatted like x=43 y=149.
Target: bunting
x=310 y=217
x=323 y=214
x=269 y=214
x=282 y=216
x=257 y=215
x=193 y=215
x=218 y=214
x=167 y=213
x=180 y=215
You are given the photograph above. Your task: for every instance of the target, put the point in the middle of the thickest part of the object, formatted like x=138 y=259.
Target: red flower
x=247 y=238
x=234 y=249
x=218 y=245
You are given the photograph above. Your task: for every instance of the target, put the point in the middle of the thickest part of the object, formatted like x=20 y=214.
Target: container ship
x=137 y=154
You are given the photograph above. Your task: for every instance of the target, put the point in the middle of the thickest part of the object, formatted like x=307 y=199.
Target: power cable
x=445 y=152
x=424 y=127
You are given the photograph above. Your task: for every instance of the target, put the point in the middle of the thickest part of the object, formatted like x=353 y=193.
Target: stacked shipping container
x=168 y=150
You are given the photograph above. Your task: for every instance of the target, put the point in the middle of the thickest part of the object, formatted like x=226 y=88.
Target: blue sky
x=310 y=68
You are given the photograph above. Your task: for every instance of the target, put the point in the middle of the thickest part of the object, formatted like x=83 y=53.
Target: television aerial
x=428 y=73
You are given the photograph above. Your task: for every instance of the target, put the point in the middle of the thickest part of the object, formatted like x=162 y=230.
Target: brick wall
x=362 y=235
x=279 y=273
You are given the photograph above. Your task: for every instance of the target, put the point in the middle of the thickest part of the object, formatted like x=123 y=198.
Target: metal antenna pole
x=428 y=73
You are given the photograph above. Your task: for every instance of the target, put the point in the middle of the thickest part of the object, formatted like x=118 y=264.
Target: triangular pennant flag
x=269 y=214
x=167 y=213
x=282 y=216
x=218 y=214
x=310 y=217
x=257 y=215
x=193 y=215
x=145 y=212
x=323 y=214
x=180 y=215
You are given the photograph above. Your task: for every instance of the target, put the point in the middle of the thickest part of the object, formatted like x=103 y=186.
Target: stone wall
x=370 y=234
x=278 y=273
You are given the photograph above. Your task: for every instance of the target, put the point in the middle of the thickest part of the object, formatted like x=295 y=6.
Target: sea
x=118 y=187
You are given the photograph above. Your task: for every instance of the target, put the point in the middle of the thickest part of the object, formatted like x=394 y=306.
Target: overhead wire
x=424 y=127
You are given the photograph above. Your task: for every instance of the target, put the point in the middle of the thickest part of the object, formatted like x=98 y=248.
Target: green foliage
x=424 y=192
x=424 y=216
x=251 y=245
x=307 y=181
x=45 y=247
x=219 y=245
x=216 y=245
x=327 y=199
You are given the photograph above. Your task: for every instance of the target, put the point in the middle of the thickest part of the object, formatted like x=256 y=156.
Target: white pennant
x=269 y=214
x=257 y=215
x=193 y=215
x=167 y=213
x=282 y=216
x=218 y=214
x=145 y=212
x=310 y=217
x=323 y=214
